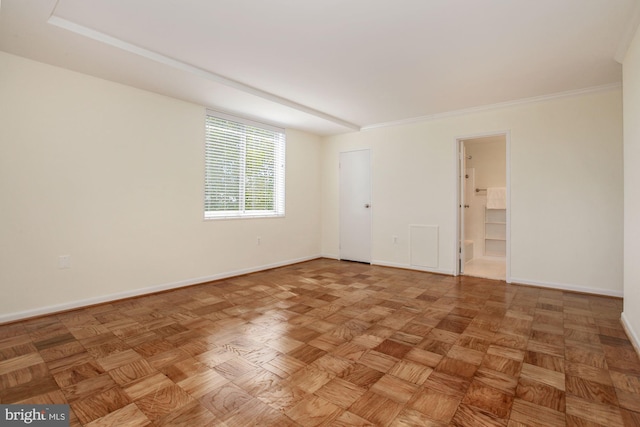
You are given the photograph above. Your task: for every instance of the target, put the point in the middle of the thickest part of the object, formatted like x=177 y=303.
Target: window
x=244 y=169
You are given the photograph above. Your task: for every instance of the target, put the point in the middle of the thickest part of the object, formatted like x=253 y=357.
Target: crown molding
x=498 y=106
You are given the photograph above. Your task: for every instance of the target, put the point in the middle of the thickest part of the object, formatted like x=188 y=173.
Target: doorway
x=355 y=206
x=483 y=219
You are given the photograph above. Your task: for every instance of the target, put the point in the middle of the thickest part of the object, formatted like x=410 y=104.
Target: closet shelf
x=495 y=232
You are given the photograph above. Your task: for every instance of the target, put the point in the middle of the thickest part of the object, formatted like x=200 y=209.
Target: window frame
x=279 y=187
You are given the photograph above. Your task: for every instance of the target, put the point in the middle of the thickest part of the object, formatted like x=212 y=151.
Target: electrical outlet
x=64 y=261
x=258 y=240
x=395 y=240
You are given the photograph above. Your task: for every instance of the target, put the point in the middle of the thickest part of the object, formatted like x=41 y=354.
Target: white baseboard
x=11 y=317
x=566 y=287
x=412 y=267
x=631 y=333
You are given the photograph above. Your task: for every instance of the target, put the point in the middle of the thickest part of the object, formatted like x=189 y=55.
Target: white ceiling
x=330 y=66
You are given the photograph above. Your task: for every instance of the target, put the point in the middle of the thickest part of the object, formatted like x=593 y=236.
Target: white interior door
x=355 y=206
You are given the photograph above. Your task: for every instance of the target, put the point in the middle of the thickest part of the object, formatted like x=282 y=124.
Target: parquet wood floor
x=329 y=343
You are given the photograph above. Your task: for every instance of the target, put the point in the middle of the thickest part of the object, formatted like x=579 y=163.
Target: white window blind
x=244 y=169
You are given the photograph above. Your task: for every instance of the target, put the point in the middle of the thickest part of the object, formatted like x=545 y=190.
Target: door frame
x=371 y=204
x=459 y=211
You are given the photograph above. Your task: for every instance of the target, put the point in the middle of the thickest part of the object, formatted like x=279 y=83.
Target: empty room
x=320 y=213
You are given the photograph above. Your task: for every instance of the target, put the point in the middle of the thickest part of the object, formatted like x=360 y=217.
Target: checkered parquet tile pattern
x=332 y=343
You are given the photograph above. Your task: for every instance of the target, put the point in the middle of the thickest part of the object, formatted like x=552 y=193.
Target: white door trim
x=457 y=147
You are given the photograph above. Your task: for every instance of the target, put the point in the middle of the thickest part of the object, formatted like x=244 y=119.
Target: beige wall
x=631 y=85
x=566 y=188
x=113 y=176
x=488 y=157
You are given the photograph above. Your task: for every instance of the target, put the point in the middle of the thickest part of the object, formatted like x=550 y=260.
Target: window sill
x=241 y=216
